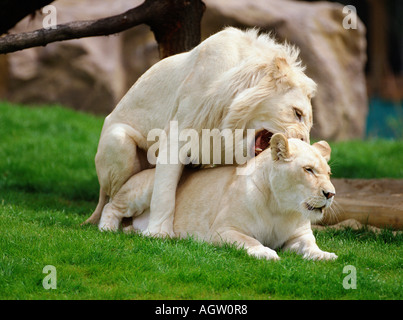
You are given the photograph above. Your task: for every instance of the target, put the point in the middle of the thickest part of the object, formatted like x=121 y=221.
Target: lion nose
x=328 y=194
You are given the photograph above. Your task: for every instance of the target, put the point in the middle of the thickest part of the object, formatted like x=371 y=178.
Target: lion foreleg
x=306 y=246
x=110 y=219
x=162 y=208
x=252 y=246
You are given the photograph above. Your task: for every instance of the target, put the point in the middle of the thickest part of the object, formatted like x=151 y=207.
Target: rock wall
x=92 y=74
x=89 y=74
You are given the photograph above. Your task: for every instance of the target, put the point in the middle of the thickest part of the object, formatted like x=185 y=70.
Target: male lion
x=272 y=207
x=233 y=80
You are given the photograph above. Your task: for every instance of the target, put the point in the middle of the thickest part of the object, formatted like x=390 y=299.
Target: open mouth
x=262 y=141
x=317 y=209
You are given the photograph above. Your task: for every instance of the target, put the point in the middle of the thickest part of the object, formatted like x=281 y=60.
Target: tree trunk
x=379 y=66
x=177 y=26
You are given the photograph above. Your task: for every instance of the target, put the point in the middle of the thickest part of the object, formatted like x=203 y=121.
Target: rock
x=376 y=202
x=354 y=225
x=335 y=57
x=90 y=74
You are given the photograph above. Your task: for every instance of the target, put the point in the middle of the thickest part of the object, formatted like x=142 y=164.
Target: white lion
x=271 y=208
x=233 y=80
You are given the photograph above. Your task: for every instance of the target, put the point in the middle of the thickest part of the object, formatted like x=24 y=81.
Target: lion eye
x=309 y=170
x=298 y=114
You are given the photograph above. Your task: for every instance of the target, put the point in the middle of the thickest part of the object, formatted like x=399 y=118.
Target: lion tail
x=96 y=215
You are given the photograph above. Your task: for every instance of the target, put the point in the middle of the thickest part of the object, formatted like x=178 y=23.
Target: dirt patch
x=376 y=202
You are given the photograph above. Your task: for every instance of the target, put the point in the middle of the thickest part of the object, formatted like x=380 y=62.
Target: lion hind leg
x=117 y=159
x=96 y=215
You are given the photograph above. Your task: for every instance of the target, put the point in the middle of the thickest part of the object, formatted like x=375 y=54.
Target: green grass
x=375 y=158
x=48 y=186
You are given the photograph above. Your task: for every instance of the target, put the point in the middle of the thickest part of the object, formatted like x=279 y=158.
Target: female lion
x=271 y=208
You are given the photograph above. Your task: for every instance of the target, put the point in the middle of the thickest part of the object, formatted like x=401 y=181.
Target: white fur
x=234 y=79
x=260 y=212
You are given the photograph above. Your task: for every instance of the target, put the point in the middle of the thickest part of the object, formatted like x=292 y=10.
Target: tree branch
x=151 y=12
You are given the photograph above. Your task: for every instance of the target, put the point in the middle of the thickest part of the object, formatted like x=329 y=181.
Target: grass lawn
x=48 y=186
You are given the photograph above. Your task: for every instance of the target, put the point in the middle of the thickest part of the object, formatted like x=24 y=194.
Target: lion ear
x=323 y=148
x=280 y=70
x=279 y=147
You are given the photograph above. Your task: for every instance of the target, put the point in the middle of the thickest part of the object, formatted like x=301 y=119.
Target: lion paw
x=320 y=255
x=109 y=225
x=263 y=252
x=159 y=233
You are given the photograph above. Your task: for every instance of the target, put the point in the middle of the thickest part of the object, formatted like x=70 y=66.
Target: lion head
x=300 y=176
x=270 y=92
x=264 y=89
